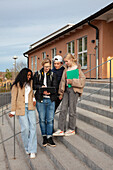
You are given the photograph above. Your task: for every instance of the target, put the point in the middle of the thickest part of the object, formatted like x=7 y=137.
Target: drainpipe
x=97 y=44
x=27 y=60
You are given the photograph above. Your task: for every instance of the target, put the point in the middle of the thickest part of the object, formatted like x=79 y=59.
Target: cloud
x=23 y=22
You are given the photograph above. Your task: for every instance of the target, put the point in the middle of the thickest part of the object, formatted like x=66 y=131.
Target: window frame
x=43 y=55
x=32 y=63
x=84 y=51
x=53 y=52
x=71 y=47
x=35 y=63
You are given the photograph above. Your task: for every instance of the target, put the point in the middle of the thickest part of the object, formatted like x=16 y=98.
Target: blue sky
x=23 y=22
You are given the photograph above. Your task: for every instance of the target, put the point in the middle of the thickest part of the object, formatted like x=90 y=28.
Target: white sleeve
x=13 y=113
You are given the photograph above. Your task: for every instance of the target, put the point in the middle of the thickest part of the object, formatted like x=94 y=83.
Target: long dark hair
x=22 y=77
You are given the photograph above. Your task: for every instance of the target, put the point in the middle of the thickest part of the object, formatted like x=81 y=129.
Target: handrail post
x=110 y=85
x=90 y=65
x=14 y=137
x=2 y=117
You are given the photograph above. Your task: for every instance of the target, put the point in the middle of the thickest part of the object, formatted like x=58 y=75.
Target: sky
x=23 y=22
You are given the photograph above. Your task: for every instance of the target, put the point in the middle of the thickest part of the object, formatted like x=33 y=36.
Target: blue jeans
x=46 y=111
x=28 y=130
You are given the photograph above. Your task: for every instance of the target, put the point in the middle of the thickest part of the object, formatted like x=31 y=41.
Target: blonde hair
x=46 y=60
x=70 y=56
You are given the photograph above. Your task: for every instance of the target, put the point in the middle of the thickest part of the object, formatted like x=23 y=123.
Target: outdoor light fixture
x=15 y=57
x=93 y=41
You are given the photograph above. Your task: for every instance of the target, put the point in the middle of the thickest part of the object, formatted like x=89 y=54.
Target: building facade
x=90 y=40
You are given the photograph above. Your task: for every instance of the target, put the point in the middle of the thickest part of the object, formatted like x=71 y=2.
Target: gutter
x=97 y=46
x=27 y=60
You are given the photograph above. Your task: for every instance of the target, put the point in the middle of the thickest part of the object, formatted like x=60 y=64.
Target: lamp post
x=15 y=57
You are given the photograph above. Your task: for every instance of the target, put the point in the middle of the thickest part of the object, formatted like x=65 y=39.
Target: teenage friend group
x=45 y=91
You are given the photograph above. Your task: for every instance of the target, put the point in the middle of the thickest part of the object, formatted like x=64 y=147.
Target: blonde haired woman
x=69 y=90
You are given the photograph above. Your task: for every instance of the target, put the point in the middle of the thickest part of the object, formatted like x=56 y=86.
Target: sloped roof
x=105 y=13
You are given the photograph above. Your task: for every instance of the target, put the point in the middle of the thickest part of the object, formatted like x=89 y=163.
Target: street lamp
x=15 y=57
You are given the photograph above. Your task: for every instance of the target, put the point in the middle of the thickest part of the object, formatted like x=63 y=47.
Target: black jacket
x=38 y=82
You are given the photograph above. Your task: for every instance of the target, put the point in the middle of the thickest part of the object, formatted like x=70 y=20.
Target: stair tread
x=97 y=96
x=99 y=158
x=19 y=162
x=63 y=155
x=96 y=117
x=96 y=133
x=97 y=88
x=97 y=105
x=2 y=157
x=41 y=156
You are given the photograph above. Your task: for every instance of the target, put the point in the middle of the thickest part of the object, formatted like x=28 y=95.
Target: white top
x=27 y=90
x=45 y=84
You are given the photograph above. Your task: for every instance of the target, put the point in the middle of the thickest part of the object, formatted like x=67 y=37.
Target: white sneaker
x=69 y=132
x=58 y=133
x=32 y=155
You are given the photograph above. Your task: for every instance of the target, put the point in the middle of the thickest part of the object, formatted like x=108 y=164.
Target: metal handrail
x=95 y=91
x=98 y=66
x=78 y=101
x=110 y=78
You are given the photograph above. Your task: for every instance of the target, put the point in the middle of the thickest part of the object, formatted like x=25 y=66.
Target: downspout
x=27 y=60
x=97 y=45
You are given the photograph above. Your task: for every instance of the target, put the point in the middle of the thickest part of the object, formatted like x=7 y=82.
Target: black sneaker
x=51 y=142
x=45 y=141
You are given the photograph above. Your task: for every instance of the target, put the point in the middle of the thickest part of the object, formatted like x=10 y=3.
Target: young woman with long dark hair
x=23 y=104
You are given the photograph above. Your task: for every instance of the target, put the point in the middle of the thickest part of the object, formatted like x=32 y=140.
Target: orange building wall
x=105 y=46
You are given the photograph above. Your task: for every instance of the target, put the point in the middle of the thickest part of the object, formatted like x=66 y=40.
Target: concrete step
x=100 y=139
x=61 y=156
x=86 y=152
x=4 y=163
x=97 y=137
x=101 y=122
x=97 y=90
x=54 y=155
x=94 y=84
x=104 y=100
x=42 y=161
x=20 y=161
x=96 y=108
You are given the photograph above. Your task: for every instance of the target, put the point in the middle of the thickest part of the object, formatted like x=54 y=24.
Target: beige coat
x=77 y=85
x=18 y=100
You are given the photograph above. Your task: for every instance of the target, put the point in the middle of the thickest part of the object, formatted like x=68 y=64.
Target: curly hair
x=22 y=77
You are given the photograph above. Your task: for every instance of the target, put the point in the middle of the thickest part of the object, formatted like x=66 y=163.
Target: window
x=44 y=55
x=53 y=54
x=35 y=63
x=71 y=48
x=32 y=63
x=82 y=52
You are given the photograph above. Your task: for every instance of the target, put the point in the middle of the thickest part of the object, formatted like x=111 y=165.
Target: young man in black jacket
x=58 y=70
x=45 y=104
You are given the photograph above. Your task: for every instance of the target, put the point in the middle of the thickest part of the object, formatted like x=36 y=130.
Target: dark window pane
x=85 y=59
x=73 y=47
x=80 y=44
x=85 y=43
x=80 y=59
